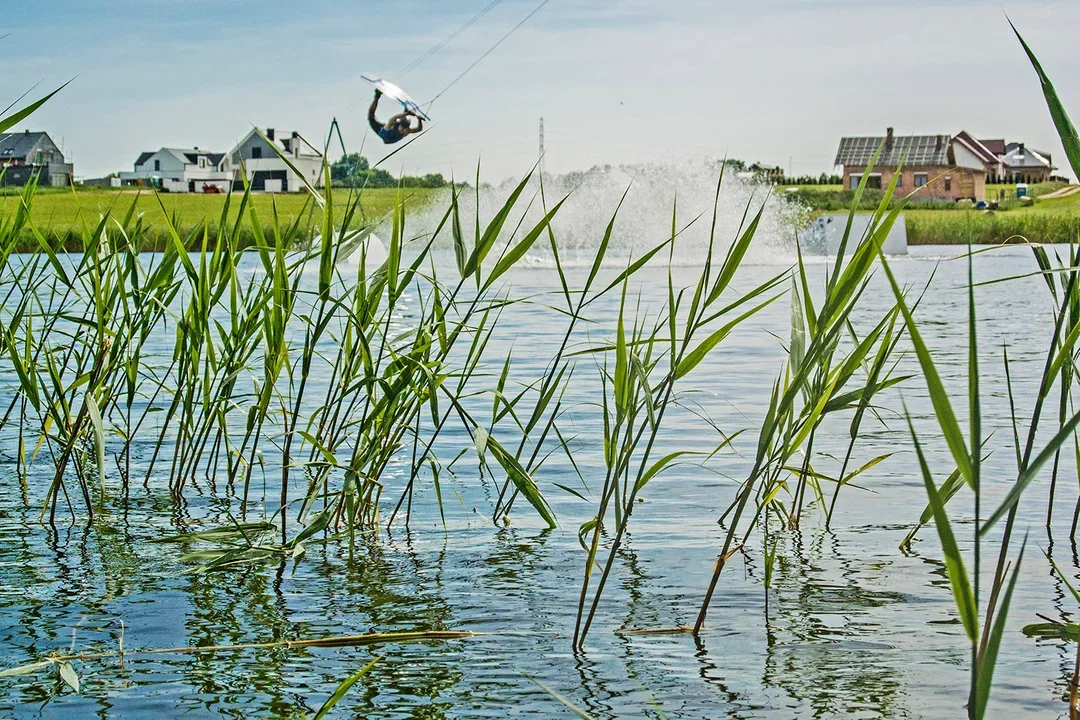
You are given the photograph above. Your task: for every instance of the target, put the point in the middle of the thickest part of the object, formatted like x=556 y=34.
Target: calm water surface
x=855 y=628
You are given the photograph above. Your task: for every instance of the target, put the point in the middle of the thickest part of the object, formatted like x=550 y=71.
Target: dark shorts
x=389 y=136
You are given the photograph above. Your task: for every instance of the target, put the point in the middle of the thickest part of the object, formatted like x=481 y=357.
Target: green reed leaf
x=950 y=428
x=68 y=674
x=343 y=688
x=15 y=118
x=562 y=699
x=518 y=251
x=98 y=428
x=693 y=358
x=1065 y=129
x=985 y=676
x=486 y=241
x=522 y=480
x=1029 y=474
x=954 y=563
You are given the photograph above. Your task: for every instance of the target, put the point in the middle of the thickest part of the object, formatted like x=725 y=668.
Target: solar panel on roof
x=918 y=150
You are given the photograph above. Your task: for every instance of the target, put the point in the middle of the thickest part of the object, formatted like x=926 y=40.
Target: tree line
x=353 y=170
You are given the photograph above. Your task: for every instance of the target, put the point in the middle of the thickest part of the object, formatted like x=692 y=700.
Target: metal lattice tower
x=541 y=145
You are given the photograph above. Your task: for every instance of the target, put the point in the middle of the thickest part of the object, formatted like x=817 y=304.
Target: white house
x=266 y=171
x=180 y=170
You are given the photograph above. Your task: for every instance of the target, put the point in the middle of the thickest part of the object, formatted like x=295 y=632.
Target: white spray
x=644 y=219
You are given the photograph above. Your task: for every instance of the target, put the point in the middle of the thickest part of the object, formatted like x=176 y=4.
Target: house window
x=256 y=153
x=855 y=179
x=157 y=165
x=921 y=179
x=873 y=181
x=948 y=183
x=899 y=179
x=202 y=162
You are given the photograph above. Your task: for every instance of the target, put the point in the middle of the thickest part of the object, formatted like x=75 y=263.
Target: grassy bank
x=930 y=227
x=60 y=215
x=1047 y=221
x=1055 y=220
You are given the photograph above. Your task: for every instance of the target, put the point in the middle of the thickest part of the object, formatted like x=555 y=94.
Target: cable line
x=488 y=52
x=465 y=72
x=439 y=46
x=435 y=48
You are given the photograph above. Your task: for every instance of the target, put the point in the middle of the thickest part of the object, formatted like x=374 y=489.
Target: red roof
x=985 y=154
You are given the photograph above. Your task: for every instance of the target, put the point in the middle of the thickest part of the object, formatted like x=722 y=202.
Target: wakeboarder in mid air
x=397 y=127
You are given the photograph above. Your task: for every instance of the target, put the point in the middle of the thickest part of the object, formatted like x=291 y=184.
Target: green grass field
x=59 y=213
x=1046 y=221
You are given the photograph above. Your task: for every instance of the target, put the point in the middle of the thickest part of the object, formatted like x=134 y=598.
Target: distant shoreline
x=59 y=214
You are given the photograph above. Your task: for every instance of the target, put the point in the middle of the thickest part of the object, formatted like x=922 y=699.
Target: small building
x=769 y=173
x=1013 y=162
x=939 y=167
x=1022 y=164
x=28 y=154
x=180 y=170
x=264 y=168
x=109 y=181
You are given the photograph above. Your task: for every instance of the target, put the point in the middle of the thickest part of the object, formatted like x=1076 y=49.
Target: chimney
x=889 y=139
x=270 y=133
x=1021 y=151
x=295 y=144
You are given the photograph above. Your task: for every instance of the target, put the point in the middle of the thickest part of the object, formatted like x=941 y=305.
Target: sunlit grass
x=65 y=213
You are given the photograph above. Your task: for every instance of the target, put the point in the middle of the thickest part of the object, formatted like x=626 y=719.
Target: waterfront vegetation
x=63 y=215
x=337 y=385
x=60 y=213
x=1052 y=220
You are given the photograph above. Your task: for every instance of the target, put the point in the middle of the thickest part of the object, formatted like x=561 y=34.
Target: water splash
x=644 y=219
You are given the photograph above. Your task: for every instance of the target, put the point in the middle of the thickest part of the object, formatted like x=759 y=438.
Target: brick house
x=939 y=167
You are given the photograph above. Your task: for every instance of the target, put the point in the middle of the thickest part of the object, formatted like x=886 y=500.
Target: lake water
x=856 y=628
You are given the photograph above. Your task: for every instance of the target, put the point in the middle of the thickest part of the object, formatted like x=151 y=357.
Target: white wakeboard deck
x=391 y=90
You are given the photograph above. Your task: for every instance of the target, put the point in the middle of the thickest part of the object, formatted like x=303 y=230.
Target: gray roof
x=20 y=144
x=1014 y=157
x=188 y=157
x=911 y=150
x=211 y=157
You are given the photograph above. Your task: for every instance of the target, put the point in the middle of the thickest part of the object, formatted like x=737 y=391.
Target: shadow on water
x=825 y=641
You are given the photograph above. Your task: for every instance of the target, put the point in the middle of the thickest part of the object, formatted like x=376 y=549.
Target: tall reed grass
x=346 y=387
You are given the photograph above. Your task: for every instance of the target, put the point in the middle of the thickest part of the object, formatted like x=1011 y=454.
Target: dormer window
x=202 y=162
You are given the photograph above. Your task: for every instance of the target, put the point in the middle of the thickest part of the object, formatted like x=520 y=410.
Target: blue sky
x=617 y=81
